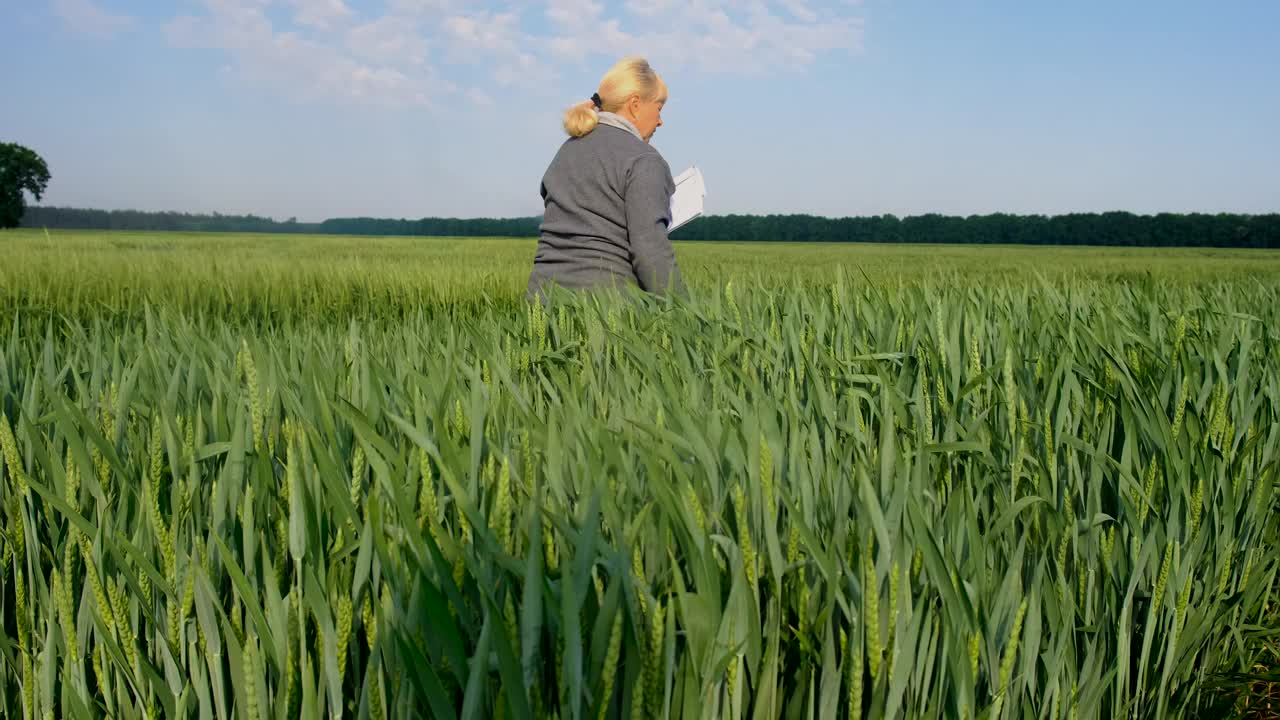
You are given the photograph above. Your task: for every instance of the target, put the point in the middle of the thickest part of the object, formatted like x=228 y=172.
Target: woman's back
x=607 y=202
x=607 y=193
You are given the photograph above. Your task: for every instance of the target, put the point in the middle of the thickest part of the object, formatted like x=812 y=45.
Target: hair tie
x=595 y=100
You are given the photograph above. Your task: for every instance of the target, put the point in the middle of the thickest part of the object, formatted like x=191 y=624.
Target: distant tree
x=20 y=169
x=1110 y=228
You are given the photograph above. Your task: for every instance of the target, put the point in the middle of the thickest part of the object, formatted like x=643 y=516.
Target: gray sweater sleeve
x=648 y=206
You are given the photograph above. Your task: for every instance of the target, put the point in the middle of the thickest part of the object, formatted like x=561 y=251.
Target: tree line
x=87 y=219
x=1109 y=228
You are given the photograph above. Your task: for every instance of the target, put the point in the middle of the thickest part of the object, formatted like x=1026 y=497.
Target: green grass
x=263 y=276
x=257 y=476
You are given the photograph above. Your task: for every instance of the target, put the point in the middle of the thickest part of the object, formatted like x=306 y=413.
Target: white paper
x=686 y=203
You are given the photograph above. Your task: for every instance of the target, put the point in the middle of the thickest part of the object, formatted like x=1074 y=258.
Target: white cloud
x=321 y=14
x=421 y=7
x=650 y=8
x=799 y=10
x=389 y=40
x=498 y=41
x=86 y=17
x=479 y=97
x=325 y=52
x=724 y=36
x=575 y=15
x=484 y=33
x=370 y=71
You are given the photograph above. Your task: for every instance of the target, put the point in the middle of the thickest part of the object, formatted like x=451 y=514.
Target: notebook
x=686 y=203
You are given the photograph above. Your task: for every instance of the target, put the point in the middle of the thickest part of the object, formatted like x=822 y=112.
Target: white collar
x=615 y=120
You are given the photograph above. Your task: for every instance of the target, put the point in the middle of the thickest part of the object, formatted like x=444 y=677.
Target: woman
x=607 y=192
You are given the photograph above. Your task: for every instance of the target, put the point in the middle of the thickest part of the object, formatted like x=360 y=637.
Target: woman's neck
x=620 y=122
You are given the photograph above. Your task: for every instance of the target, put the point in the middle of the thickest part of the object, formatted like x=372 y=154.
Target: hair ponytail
x=581 y=119
x=630 y=76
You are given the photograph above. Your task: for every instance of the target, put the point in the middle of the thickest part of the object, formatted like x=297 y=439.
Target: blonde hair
x=630 y=76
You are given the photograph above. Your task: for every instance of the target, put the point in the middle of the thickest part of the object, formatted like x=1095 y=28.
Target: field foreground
x=365 y=479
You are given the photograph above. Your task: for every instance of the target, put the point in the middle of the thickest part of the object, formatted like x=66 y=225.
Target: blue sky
x=412 y=108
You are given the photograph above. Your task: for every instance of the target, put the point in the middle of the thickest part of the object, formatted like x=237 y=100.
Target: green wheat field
x=263 y=476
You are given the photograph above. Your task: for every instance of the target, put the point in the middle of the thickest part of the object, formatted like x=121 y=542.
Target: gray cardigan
x=607 y=199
